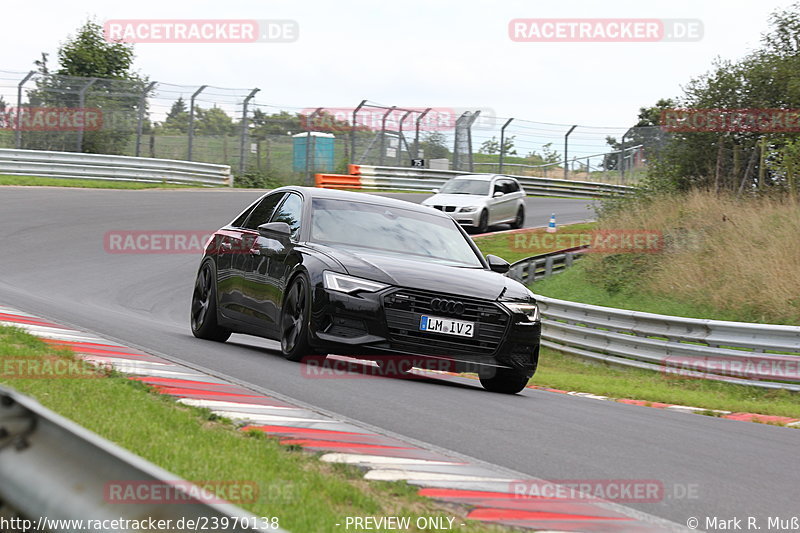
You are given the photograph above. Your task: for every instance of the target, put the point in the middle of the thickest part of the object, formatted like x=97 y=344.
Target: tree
x=492 y=146
x=213 y=121
x=102 y=72
x=177 y=120
x=434 y=146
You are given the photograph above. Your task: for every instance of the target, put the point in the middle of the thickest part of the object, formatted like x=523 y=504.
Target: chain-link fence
x=270 y=144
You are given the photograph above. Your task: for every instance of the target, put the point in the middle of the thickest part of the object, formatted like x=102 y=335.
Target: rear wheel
x=504 y=380
x=204 y=306
x=483 y=222
x=294 y=320
x=519 y=221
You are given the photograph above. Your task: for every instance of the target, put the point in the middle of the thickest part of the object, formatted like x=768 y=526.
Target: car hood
x=468 y=282
x=459 y=200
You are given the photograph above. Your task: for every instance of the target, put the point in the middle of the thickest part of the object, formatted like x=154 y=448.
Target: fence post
x=81 y=105
x=566 y=149
x=400 y=137
x=383 y=134
x=18 y=141
x=472 y=120
x=140 y=118
x=503 y=144
x=243 y=140
x=353 y=132
x=191 y=118
x=309 y=123
x=416 y=135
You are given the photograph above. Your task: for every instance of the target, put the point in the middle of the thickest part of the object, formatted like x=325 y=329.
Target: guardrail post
x=244 y=138
x=383 y=134
x=353 y=132
x=140 y=118
x=416 y=134
x=566 y=148
x=81 y=105
x=548 y=266
x=503 y=144
x=568 y=257
x=18 y=140
x=191 y=118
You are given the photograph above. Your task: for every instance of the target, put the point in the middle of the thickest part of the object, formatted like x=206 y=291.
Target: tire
x=520 y=220
x=504 y=381
x=203 y=318
x=295 y=313
x=483 y=222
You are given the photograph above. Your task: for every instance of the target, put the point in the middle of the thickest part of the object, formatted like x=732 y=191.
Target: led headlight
x=349 y=284
x=468 y=209
x=531 y=311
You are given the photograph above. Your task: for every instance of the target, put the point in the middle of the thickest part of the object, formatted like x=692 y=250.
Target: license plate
x=448 y=326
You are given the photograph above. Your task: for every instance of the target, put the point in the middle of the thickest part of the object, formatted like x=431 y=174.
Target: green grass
x=578 y=285
x=305 y=493
x=85 y=183
x=515 y=246
x=565 y=372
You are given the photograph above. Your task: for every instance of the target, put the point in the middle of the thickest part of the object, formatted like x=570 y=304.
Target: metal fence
x=761 y=355
x=541 y=266
x=289 y=144
x=51 y=467
x=421 y=179
x=112 y=168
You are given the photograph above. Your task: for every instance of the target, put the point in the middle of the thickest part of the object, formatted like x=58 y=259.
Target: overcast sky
x=418 y=53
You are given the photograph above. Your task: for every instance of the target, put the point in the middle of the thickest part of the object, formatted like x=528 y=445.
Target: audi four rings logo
x=447 y=306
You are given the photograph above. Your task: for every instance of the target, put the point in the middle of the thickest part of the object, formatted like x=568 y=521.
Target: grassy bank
x=723 y=257
x=534 y=241
x=305 y=493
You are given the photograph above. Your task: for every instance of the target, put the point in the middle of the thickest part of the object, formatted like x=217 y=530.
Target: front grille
x=404 y=307
x=445 y=208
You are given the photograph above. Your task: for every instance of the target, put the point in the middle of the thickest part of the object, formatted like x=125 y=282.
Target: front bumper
x=373 y=325
x=471 y=218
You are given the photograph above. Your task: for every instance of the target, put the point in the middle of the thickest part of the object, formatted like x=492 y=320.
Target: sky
x=416 y=53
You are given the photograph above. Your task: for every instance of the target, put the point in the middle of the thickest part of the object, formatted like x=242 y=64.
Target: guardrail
x=51 y=467
x=422 y=179
x=541 y=266
x=761 y=355
x=112 y=167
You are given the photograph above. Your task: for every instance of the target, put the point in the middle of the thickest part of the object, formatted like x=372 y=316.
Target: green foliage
x=256 y=180
x=434 y=146
x=89 y=55
x=492 y=146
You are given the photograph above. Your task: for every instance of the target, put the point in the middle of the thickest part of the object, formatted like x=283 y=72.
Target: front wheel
x=294 y=320
x=504 y=380
x=483 y=222
x=519 y=221
x=204 y=307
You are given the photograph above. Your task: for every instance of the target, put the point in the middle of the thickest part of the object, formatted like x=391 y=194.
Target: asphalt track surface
x=53 y=263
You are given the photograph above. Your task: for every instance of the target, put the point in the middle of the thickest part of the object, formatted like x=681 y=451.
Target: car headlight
x=468 y=209
x=531 y=311
x=349 y=284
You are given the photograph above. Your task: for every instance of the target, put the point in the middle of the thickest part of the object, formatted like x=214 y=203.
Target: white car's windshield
x=466 y=186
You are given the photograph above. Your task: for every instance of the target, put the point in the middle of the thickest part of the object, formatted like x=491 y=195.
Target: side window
x=513 y=186
x=262 y=212
x=291 y=212
x=498 y=187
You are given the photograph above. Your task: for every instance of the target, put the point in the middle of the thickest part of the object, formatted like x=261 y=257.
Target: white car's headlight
x=349 y=284
x=468 y=209
x=531 y=311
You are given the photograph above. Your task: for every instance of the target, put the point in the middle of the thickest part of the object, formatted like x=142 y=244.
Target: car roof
x=481 y=177
x=336 y=194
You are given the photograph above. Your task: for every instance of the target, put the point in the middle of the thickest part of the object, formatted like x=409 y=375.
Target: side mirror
x=497 y=264
x=498 y=194
x=275 y=230
x=435 y=191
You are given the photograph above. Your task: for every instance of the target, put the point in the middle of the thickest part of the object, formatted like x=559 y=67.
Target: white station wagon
x=481 y=200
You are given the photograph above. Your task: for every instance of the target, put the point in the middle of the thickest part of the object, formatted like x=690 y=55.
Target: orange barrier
x=354 y=170
x=338 y=181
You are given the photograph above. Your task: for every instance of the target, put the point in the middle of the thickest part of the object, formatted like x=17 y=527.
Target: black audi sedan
x=335 y=272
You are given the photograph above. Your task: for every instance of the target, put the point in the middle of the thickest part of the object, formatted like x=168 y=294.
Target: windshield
x=465 y=186
x=388 y=230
